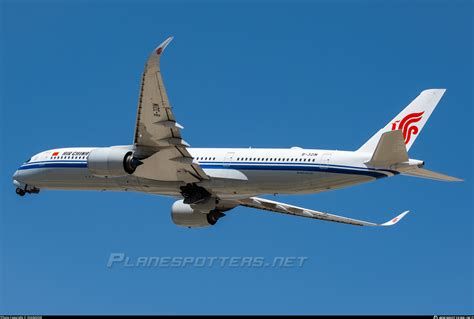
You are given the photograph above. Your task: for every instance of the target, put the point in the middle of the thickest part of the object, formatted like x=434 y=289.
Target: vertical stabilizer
x=410 y=121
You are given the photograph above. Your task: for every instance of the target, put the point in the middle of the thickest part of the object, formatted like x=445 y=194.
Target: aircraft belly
x=283 y=182
x=337 y=180
x=261 y=182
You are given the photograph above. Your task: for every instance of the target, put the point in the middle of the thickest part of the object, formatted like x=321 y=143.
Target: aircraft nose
x=16 y=177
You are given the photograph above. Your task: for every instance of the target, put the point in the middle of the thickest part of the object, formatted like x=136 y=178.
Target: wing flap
x=171 y=164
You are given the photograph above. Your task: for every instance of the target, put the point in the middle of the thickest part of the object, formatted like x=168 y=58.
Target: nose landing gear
x=27 y=189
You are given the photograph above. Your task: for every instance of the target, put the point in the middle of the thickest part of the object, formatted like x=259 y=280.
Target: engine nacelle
x=113 y=162
x=195 y=215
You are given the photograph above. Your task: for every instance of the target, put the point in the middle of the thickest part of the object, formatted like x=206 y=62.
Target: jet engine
x=112 y=162
x=195 y=215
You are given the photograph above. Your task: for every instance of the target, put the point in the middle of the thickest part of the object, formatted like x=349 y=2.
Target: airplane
x=210 y=181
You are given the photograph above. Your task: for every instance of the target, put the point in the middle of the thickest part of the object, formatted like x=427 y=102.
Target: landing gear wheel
x=20 y=191
x=186 y=195
x=214 y=216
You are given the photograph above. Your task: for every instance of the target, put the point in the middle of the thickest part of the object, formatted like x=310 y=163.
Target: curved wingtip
x=395 y=220
x=159 y=50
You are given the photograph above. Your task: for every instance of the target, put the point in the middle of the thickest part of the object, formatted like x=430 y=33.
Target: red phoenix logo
x=407 y=125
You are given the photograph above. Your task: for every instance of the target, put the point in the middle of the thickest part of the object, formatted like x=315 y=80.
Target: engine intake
x=112 y=162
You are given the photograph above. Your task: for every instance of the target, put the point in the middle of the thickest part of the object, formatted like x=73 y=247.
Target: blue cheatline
x=264 y=166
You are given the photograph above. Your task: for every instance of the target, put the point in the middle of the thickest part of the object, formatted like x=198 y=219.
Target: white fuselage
x=234 y=173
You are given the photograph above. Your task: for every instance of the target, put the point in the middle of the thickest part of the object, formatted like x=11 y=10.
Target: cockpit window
x=28 y=160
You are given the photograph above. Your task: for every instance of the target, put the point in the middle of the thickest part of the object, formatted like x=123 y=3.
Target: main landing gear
x=194 y=194
x=213 y=216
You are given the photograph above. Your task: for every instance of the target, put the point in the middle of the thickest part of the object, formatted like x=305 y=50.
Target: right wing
x=269 y=205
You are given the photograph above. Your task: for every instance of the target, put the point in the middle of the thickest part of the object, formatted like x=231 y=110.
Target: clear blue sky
x=311 y=74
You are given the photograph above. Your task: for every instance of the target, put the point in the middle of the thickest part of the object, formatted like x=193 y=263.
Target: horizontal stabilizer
x=390 y=150
x=424 y=173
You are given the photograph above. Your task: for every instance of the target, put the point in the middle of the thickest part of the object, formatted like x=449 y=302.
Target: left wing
x=265 y=204
x=158 y=141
